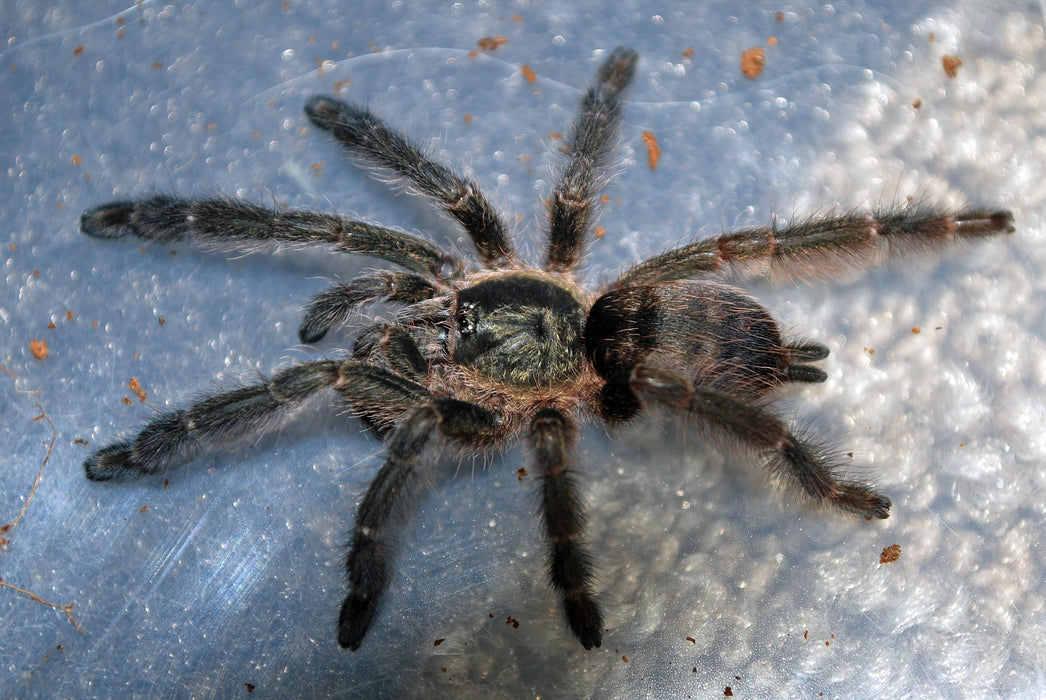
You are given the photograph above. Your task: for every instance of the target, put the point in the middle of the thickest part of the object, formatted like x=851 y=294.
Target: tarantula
x=476 y=358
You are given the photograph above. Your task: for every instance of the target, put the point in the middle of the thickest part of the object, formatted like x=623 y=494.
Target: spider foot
x=110 y=220
x=585 y=619
x=356 y=615
x=862 y=500
x=113 y=463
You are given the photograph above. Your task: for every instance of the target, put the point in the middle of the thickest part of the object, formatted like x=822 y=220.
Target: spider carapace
x=476 y=357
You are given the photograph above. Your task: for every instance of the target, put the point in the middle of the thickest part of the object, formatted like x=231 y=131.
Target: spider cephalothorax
x=477 y=358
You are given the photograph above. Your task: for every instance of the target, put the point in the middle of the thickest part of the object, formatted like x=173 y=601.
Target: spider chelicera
x=476 y=358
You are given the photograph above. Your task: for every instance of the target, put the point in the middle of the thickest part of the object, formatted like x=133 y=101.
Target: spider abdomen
x=710 y=333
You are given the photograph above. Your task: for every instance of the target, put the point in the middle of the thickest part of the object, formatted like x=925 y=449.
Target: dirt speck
x=653 y=149
x=38 y=348
x=890 y=554
x=753 y=61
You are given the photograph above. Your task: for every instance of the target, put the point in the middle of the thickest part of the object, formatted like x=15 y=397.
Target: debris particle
x=752 y=61
x=688 y=53
x=437 y=642
x=78 y=50
x=653 y=149
x=490 y=43
x=890 y=554
x=6 y=528
x=691 y=640
x=916 y=330
x=135 y=386
x=513 y=622
x=521 y=473
x=951 y=65
x=728 y=692
x=529 y=73
x=917 y=103
x=38 y=348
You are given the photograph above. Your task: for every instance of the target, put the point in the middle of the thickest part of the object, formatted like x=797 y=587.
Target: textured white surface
x=232 y=574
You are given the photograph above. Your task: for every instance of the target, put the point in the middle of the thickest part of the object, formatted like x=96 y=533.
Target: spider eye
x=465 y=325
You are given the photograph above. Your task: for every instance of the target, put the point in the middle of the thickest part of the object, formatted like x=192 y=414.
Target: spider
x=477 y=357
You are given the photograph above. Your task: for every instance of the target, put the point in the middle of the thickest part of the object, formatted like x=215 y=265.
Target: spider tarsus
x=110 y=220
x=111 y=463
x=159 y=218
x=864 y=501
x=585 y=620
x=354 y=620
x=323 y=111
x=617 y=71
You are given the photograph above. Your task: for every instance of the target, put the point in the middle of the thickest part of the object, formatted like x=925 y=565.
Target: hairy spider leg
x=390 y=345
x=795 y=461
x=230 y=224
x=552 y=440
x=389 y=499
x=579 y=180
x=819 y=247
x=234 y=225
x=367 y=136
x=332 y=306
x=176 y=436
